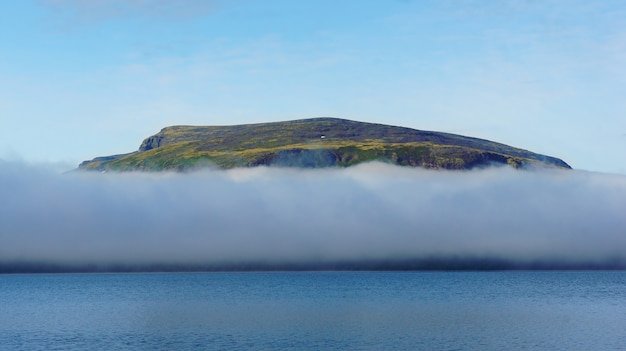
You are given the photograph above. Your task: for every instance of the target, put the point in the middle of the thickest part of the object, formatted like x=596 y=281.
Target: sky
x=86 y=78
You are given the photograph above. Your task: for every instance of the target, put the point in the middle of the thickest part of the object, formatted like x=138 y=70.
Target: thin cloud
x=287 y=217
x=101 y=10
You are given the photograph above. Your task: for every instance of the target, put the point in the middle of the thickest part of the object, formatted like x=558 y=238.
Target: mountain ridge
x=313 y=143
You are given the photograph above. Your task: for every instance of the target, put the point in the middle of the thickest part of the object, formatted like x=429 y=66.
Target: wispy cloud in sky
x=101 y=10
x=370 y=212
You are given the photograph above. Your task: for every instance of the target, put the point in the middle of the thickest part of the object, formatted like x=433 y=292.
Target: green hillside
x=312 y=143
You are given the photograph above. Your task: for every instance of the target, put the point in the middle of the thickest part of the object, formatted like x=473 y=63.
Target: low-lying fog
x=369 y=213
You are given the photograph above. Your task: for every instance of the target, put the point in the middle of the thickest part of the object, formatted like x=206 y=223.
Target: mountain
x=312 y=143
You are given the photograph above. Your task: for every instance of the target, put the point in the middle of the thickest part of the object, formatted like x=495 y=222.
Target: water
x=315 y=311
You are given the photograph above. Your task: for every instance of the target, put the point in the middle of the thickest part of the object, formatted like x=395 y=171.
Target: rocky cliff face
x=152 y=142
x=317 y=142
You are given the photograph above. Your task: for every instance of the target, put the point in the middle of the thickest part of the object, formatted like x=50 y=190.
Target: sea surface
x=314 y=311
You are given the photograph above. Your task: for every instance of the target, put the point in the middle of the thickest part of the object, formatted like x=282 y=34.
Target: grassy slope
x=300 y=143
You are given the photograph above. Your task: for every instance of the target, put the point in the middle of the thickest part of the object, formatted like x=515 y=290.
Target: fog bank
x=373 y=216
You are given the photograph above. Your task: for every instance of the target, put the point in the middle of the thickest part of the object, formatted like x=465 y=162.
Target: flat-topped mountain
x=312 y=143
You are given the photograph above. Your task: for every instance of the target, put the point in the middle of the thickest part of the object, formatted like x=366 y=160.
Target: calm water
x=315 y=311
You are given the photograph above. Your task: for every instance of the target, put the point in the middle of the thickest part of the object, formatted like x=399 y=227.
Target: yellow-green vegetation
x=318 y=142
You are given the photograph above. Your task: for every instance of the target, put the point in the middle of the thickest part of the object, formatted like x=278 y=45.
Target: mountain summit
x=313 y=143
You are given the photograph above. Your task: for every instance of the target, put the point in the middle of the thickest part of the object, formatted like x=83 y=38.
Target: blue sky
x=84 y=78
